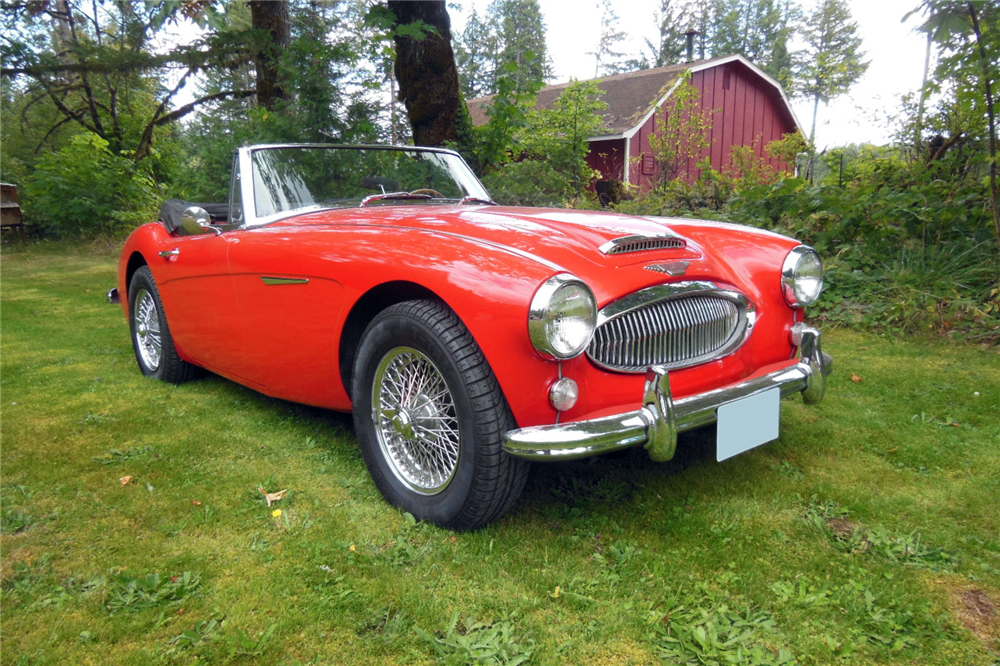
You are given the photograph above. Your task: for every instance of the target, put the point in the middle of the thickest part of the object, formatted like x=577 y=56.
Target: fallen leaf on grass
x=125 y=480
x=273 y=497
x=856 y=378
x=556 y=593
x=196 y=502
x=893 y=449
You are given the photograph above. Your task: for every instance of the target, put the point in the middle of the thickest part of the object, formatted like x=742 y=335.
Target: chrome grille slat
x=675 y=332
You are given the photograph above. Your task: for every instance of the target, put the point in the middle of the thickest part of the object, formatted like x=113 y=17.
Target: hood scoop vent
x=645 y=243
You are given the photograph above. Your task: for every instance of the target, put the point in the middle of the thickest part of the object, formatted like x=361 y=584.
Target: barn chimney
x=690 y=35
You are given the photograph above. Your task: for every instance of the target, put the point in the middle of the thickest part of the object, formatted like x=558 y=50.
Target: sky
x=896 y=53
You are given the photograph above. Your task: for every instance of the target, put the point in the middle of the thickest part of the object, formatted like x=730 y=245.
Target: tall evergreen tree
x=674 y=20
x=476 y=56
x=510 y=42
x=520 y=40
x=759 y=30
x=833 y=60
x=608 y=57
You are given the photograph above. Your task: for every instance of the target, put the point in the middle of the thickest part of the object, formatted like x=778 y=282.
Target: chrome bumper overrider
x=655 y=425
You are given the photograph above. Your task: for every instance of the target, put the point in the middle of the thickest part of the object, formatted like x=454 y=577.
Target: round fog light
x=563 y=394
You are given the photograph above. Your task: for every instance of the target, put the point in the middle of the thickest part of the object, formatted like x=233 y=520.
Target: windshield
x=297 y=179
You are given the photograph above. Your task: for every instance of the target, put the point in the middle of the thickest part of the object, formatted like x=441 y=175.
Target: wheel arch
x=366 y=308
x=135 y=261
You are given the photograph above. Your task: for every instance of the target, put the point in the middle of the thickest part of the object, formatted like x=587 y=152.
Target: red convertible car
x=470 y=338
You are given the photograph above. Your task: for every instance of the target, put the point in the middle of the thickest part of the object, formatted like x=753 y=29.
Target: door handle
x=166 y=254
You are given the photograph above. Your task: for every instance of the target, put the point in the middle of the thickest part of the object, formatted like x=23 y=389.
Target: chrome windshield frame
x=245 y=161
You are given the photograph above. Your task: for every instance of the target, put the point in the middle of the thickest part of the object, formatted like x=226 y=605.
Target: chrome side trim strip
x=268 y=280
x=656 y=423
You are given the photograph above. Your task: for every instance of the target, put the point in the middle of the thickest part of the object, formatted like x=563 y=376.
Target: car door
x=291 y=308
x=196 y=285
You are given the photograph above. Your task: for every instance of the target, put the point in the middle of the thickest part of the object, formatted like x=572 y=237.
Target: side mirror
x=196 y=220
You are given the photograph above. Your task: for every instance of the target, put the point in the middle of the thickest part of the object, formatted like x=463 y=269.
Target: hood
x=578 y=242
x=556 y=235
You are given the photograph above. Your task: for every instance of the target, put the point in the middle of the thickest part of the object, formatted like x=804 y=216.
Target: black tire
x=485 y=481
x=167 y=366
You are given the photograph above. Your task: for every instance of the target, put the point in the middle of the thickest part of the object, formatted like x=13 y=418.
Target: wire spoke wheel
x=416 y=421
x=147 y=330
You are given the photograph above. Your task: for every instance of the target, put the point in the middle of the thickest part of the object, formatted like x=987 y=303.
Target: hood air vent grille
x=628 y=244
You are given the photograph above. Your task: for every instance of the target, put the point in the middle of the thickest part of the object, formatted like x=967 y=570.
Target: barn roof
x=630 y=97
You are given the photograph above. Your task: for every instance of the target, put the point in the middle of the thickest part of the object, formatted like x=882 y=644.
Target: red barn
x=749 y=109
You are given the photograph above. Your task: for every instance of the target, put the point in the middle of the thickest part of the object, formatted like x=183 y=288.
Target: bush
x=85 y=189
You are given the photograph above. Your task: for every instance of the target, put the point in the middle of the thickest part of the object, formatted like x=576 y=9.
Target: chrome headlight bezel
x=542 y=312
x=793 y=286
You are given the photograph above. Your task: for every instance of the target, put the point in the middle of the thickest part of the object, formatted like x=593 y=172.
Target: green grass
x=852 y=540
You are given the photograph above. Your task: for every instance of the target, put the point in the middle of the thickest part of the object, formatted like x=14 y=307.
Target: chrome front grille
x=675 y=326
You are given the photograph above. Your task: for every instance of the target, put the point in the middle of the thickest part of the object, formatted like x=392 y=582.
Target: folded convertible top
x=172 y=209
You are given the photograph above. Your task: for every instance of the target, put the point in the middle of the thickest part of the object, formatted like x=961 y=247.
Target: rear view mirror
x=196 y=220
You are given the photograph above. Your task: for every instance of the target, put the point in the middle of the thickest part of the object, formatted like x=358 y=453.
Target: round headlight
x=563 y=317
x=802 y=277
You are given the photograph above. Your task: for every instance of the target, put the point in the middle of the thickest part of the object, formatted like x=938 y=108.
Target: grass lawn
x=869 y=534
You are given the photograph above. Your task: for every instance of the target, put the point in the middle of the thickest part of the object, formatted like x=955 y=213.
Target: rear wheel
x=154 y=347
x=430 y=418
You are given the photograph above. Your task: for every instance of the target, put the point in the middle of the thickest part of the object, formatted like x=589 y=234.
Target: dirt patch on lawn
x=842 y=528
x=978 y=612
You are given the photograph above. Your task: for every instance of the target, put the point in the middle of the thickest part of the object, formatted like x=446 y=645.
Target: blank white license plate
x=748 y=422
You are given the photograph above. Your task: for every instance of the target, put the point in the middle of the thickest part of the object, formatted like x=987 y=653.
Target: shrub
x=85 y=189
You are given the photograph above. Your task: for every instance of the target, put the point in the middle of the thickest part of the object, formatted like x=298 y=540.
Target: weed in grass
x=129 y=593
x=385 y=625
x=69 y=590
x=333 y=589
x=873 y=623
x=855 y=538
x=201 y=634
x=403 y=553
x=242 y=644
x=472 y=642
x=705 y=626
x=114 y=456
x=13 y=521
x=27 y=577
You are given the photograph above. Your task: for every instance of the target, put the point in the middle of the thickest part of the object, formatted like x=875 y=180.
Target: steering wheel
x=427 y=190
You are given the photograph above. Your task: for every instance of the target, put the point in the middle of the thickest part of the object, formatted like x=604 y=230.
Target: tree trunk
x=272 y=17
x=994 y=195
x=426 y=72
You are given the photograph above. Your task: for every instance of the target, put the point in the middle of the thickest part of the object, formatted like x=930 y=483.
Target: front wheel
x=430 y=418
x=154 y=346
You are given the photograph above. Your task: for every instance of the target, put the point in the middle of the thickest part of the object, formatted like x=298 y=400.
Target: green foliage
x=609 y=59
x=479 y=643
x=84 y=189
x=547 y=159
x=705 y=626
x=508 y=43
x=682 y=130
x=833 y=60
x=138 y=593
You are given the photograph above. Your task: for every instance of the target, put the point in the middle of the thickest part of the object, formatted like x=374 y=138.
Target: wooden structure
x=749 y=109
x=11 y=221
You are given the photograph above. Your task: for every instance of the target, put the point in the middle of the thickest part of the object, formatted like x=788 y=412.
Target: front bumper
x=656 y=424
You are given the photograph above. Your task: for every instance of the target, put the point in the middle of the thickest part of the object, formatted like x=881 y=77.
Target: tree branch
x=147 y=133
